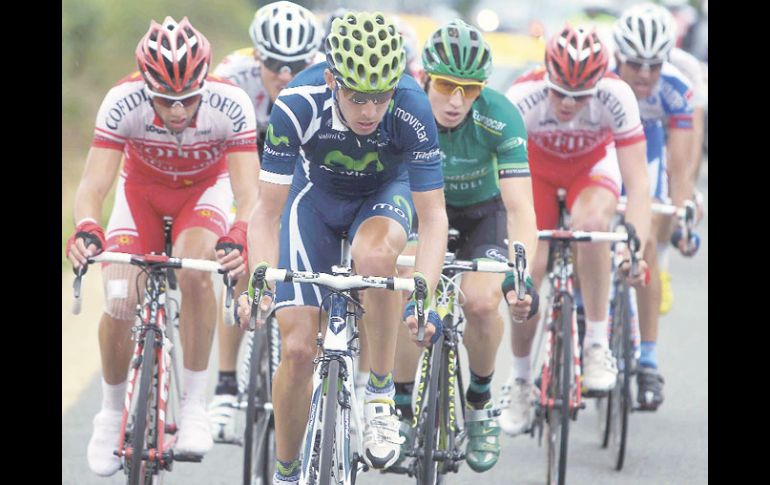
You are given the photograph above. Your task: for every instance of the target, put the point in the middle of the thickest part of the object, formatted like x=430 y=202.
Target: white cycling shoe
x=104 y=441
x=222 y=417
x=382 y=442
x=600 y=371
x=194 y=430
x=516 y=406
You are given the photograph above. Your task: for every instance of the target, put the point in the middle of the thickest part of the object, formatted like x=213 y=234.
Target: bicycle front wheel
x=427 y=425
x=619 y=401
x=559 y=389
x=259 y=432
x=139 y=472
x=327 y=468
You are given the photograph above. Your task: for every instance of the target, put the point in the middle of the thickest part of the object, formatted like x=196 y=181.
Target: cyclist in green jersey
x=488 y=195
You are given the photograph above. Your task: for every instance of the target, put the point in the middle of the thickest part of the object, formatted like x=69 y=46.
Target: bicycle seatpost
x=420 y=292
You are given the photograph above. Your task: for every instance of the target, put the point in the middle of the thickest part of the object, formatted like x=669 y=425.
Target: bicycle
x=326 y=450
x=560 y=393
x=150 y=404
x=439 y=431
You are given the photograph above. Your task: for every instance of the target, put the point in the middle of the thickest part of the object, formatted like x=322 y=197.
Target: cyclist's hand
x=433 y=326
x=524 y=309
x=641 y=278
x=243 y=309
x=231 y=250
x=88 y=240
x=699 y=211
x=687 y=248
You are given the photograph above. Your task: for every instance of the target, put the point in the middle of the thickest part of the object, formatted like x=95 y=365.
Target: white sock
x=113 y=396
x=596 y=333
x=194 y=383
x=521 y=368
x=361 y=378
x=663 y=255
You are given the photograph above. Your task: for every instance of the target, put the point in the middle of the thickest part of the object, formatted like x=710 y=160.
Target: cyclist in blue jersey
x=352 y=148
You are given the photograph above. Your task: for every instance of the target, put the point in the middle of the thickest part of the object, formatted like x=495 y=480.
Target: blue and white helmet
x=285 y=31
x=644 y=32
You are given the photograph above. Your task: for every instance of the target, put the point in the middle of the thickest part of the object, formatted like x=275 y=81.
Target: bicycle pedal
x=590 y=393
x=400 y=470
x=188 y=457
x=229 y=441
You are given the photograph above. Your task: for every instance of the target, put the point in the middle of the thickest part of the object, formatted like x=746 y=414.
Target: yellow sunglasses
x=447 y=86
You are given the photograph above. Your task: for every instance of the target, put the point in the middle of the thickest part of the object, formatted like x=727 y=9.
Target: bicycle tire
x=255 y=396
x=606 y=405
x=427 y=468
x=328 y=435
x=139 y=429
x=620 y=396
x=560 y=388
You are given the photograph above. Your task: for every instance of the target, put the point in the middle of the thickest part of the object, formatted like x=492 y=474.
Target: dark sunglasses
x=170 y=103
x=577 y=99
x=278 y=66
x=357 y=97
x=638 y=65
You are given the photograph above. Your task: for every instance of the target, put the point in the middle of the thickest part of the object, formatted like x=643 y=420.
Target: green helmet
x=365 y=51
x=457 y=49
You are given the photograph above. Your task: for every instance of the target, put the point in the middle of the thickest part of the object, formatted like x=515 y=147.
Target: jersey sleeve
x=512 y=147
x=419 y=139
x=676 y=97
x=243 y=131
x=283 y=140
x=623 y=108
x=112 y=128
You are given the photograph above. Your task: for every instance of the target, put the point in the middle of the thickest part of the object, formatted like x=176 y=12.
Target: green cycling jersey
x=490 y=144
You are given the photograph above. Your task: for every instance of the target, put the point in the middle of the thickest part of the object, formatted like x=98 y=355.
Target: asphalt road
x=666 y=447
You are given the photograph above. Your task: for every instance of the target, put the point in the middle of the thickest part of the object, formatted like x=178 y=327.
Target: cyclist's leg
x=199 y=221
x=307 y=243
x=592 y=199
x=517 y=392
x=115 y=344
x=379 y=234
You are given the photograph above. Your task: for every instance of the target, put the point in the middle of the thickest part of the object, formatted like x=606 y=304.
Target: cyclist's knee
x=376 y=260
x=483 y=307
x=298 y=353
x=592 y=221
x=195 y=283
x=120 y=291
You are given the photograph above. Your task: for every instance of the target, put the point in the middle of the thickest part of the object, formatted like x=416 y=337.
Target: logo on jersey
x=495 y=254
x=412 y=121
x=232 y=109
x=205 y=213
x=124 y=106
x=426 y=155
x=615 y=107
x=337 y=135
x=276 y=140
x=125 y=240
x=571 y=143
x=491 y=125
x=402 y=208
x=336 y=158
x=512 y=143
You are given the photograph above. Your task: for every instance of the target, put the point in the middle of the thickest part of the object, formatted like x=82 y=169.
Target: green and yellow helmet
x=365 y=51
x=457 y=49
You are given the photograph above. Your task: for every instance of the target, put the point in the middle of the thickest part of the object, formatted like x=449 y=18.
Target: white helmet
x=285 y=31
x=644 y=32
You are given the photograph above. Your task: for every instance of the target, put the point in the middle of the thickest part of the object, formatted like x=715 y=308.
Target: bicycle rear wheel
x=139 y=472
x=427 y=425
x=559 y=389
x=259 y=433
x=327 y=467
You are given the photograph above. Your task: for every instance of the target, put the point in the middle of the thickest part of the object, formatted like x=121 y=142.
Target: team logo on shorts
x=125 y=240
x=205 y=213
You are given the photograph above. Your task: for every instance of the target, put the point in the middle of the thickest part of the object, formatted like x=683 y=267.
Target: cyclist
x=585 y=135
x=189 y=146
x=644 y=35
x=489 y=195
x=285 y=37
x=347 y=140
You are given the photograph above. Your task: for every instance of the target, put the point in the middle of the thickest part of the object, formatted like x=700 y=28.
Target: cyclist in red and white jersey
x=585 y=135
x=286 y=38
x=189 y=142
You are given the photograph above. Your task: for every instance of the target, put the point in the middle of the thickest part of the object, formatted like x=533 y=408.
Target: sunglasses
x=279 y=67
x=357 y=97
x=167 y=101
x=638 y=65
x=447 y=87
x=578 y=96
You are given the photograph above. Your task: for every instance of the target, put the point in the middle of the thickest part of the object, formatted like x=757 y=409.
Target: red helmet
x=575 y=58
x=173 y=57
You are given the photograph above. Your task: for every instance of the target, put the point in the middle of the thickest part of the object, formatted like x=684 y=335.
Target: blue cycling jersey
x=306 y=137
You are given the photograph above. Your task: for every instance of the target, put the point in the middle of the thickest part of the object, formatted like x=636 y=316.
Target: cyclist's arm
x=244 y=177
x=432 y=234
x=679 y=152
x=520 y=214
x=263 y=233
x=98 y=176
x=698 y=133
x=632 y=160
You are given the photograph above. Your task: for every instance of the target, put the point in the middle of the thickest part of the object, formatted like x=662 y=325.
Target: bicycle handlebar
x=581 y=236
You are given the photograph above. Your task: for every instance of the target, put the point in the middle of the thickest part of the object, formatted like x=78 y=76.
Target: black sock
x=403 y=399
x=479 y=390
x=227 y=383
